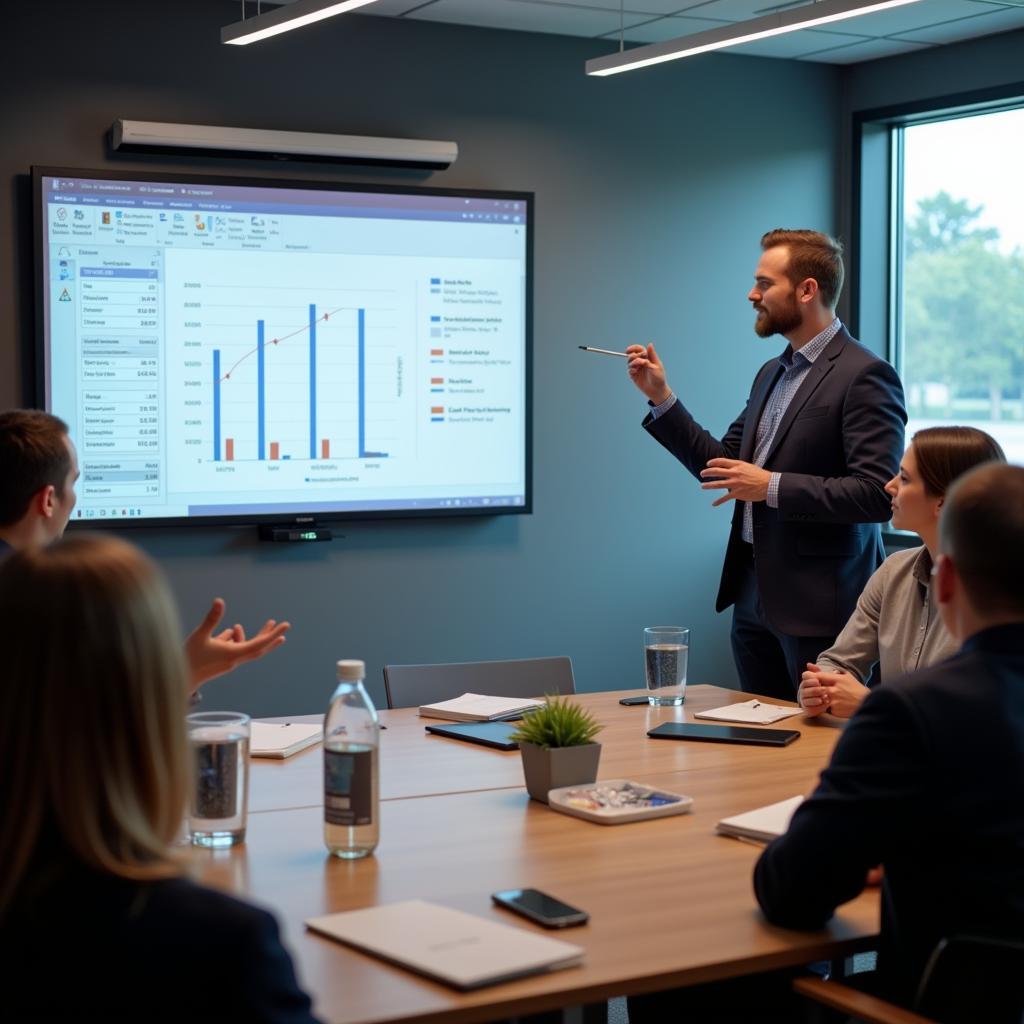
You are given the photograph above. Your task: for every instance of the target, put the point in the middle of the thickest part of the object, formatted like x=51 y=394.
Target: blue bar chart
x=231 y=382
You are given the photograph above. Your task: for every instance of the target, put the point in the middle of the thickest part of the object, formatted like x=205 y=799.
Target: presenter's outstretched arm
x=647 y=372
x=210 y=656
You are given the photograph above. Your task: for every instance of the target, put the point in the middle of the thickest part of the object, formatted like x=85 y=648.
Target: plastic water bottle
x=351 y=767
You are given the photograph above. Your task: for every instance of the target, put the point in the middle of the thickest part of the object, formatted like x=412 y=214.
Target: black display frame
x=296 y=519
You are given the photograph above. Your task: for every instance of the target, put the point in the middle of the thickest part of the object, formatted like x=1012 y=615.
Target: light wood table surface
x=670 y=902
x=415 y=763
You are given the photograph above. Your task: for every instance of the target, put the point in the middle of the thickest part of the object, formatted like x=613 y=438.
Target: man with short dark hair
x=928 y=778
x=806 y=463
x=37 y=482
x=38 y=470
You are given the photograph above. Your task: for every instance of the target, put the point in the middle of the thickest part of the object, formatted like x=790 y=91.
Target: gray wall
x=652 y=190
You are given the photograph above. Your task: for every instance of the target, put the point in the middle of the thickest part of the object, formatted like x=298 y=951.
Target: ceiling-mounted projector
x=212 y=140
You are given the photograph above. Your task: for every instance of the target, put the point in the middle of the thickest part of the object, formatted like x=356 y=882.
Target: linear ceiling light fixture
x=284 y=19
x=823 y=12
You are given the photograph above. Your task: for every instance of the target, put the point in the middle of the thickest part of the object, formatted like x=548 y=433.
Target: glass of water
x=666 y=650
x=220 y=791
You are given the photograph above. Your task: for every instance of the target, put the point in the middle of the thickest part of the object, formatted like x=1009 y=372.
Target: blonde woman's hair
x=92 y=734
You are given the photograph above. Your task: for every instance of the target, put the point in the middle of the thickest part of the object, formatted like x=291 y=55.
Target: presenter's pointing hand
x=647 y=373
x=210 y=656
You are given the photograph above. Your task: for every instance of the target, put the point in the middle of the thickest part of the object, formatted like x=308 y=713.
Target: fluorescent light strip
x=284 y=19
x=808 y=16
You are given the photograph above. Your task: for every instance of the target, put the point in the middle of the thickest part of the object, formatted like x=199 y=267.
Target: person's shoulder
x=847 y=347
x=902 y=561
x=205 y=909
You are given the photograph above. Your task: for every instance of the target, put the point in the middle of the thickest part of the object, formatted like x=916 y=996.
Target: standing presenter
x=806 y=463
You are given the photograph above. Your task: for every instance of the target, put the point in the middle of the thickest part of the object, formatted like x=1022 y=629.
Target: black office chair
x=410 y=686
x=967 y=980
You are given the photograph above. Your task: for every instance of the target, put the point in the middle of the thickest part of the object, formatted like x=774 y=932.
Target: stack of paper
x=755 y=711
x=268 y=739
x=448 y=945
x=474 y=707
x=762 y=825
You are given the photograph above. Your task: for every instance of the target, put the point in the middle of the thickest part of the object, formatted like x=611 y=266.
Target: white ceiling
x=900 y=30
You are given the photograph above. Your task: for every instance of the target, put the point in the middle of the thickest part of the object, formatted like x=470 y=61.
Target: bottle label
x=348 y=787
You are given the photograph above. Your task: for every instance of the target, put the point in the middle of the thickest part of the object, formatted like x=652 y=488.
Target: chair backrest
x=970 y=978
x=410 y=686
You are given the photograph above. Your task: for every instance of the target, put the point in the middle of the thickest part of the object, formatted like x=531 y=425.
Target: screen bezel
x=286 y=518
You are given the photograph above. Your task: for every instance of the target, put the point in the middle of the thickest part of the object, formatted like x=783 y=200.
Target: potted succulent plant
x=558 y=748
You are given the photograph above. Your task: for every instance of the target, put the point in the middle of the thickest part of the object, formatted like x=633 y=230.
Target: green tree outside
x=963 y=311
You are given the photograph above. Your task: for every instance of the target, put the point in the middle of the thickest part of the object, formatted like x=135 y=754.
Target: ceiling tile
x=390 y=8
x=792 y=44
x=928 y=22
x=523 y=17
x=667 y=28
x=867 y=49
x=651 y=8
x=731 y=10
x=1001 y=19
x=901 y=20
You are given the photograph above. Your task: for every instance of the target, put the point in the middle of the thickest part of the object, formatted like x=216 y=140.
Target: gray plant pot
x=547 y=768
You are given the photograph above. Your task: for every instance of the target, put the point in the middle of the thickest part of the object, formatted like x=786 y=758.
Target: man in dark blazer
x=806 y=463
x=928 y=778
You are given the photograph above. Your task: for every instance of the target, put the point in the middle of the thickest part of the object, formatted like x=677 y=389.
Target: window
x=942 y=187
x=959 y=325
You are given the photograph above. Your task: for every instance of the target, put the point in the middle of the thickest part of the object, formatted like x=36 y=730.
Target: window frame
x=876 y=224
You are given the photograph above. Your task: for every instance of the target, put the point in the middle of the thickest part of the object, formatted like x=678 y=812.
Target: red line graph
x=274 y=341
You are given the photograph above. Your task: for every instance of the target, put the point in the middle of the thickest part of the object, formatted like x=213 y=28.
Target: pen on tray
x=604 y=351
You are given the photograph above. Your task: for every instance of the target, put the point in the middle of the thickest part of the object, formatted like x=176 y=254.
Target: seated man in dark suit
x=928 y=779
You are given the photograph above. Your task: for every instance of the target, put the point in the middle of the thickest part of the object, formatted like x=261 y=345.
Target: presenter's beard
x=781 y=322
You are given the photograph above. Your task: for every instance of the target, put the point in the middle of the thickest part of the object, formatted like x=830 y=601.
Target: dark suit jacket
x=838 y=444
x=928 y=780
x=96 y=947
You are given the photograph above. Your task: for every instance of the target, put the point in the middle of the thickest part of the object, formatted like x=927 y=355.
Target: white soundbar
x=155 y=136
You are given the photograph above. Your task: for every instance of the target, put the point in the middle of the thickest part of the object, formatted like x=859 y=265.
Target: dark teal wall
x=652 y=190
x=976 y=64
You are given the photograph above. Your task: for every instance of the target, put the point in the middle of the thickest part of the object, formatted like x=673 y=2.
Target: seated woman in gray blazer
x=97 y=918
x=896 y=624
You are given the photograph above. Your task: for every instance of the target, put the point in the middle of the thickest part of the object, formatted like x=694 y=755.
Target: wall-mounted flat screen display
x=262 y=351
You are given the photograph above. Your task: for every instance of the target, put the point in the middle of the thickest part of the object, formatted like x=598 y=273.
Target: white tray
x=600 y=801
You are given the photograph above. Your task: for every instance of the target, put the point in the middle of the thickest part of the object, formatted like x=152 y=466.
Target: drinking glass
x=666 y=650
x=220 y=751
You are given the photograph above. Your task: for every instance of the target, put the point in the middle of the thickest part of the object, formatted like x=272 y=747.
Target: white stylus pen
x=604 y=351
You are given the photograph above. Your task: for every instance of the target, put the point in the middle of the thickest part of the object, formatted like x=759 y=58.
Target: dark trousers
x=769 y=663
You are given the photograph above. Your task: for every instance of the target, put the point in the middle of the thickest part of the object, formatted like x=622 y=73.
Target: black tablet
x=489 y=734
x=724 y=734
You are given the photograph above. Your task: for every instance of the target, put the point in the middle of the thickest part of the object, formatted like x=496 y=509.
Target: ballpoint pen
x=604 y=351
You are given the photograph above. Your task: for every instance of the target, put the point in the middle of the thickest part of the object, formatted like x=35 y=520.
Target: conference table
x=670 y=902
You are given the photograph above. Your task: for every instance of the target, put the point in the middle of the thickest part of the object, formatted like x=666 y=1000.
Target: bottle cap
x=352 y=671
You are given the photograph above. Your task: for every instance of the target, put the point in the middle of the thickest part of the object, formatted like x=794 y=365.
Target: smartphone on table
x=540 y=907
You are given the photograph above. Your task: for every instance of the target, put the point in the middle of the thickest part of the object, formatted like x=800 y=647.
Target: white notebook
x=762 y=825
x=475 y=707
x=269 y=739
x=757 y=712
x=447 y=945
